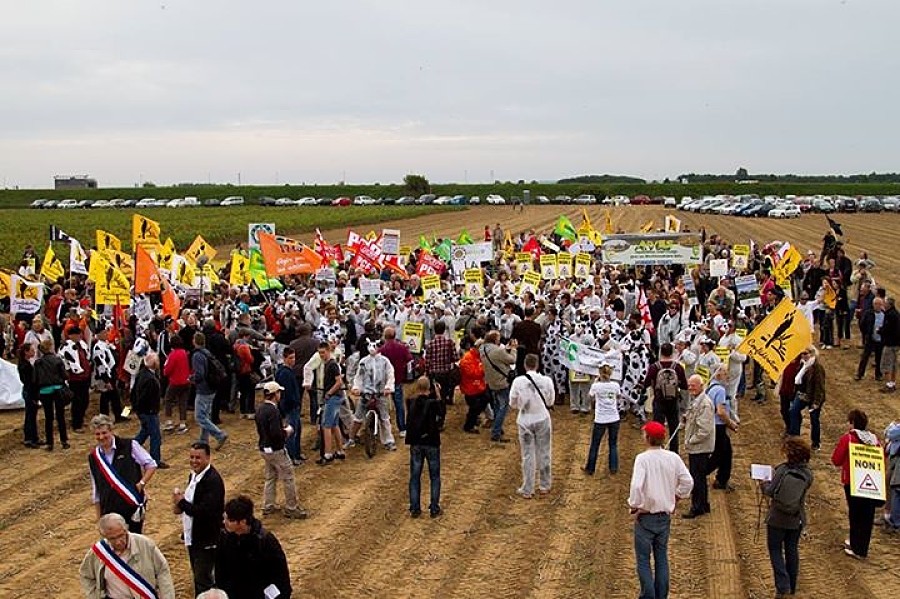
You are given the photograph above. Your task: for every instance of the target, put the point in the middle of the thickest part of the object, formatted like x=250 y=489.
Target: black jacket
x=219 y=347
x=890 y=330
x=145 y=394
x=425 y=417
x=49 y=370
x=206 y=509
x=269 y=427
x=247 y=564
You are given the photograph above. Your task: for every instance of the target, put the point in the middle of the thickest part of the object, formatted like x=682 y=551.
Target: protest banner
x=718 y=267
x=470 y=255
x=653 y=249
x=24 y=295
x=282 y=258
x=253 y=231
x=867 y=477
x=588 y=359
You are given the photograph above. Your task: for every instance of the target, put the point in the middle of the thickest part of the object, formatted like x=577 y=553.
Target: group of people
x=671 y=334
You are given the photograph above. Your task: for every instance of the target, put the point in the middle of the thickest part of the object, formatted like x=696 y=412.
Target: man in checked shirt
x=440 y=355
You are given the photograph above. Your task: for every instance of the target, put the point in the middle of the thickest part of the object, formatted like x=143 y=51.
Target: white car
x=495 y=199
x=670 y=202
x=191 y=201
x=233 y=201
x=585 y=198
x=67 y=204
x=443 y=201
x=175 y=203
x=475 y=200
x=364 y=201
x=146 y=202
x=285 y=202
x=307 y=201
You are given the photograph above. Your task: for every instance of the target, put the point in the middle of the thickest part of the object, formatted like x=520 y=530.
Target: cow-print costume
x=636 y=362
x=552 y=366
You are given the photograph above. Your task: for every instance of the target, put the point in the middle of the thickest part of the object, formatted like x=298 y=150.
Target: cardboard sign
x=691 y=290
x=524 y=262
x=414 y=336
x=867 y=472
x=390 y=242
x=530 y=282
x=474 y=284
x=747 y=291
x=722 y=353
x=369 y=286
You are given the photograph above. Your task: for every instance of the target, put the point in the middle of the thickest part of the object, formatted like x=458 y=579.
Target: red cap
x=655 y=430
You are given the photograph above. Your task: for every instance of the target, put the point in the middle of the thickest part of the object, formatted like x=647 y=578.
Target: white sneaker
x=349 y=443
x=391 y=447
x=168 y=426
x=182 y=429
x=402 y=434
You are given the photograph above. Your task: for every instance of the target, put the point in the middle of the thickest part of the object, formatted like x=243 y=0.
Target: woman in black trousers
x=50 y=379
x=29 y=395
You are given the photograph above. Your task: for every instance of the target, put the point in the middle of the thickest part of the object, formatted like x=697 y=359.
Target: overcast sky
x=295 y=91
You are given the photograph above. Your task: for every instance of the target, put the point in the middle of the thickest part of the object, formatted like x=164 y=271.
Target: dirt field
x=577 y=542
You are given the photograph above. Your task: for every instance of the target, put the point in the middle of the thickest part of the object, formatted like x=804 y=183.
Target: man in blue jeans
x=206 y=395
x=423 y=435
x=289 y=404
x=659 y=479
x=145 y=399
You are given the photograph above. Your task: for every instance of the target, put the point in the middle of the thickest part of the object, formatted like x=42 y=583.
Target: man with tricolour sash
x=120 y=471
x=124 y=565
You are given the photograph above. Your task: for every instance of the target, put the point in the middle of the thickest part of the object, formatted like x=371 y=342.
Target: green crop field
x=217 y=225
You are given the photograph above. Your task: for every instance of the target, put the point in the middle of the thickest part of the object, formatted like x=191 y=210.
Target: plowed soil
x=575 y=542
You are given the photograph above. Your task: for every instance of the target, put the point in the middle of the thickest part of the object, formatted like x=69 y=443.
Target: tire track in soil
x=515 y=533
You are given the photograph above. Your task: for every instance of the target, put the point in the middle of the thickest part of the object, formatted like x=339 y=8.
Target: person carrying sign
x=861 y=509
x=123 y=565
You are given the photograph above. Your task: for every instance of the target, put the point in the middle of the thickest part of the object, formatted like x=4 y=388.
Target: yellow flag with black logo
x=144 y=232
x=778 y=339
x=200 y=247
x=51 y=268
x=111 y=286
x=165 y=254
x=108 y=241
x=240 y=270
x=648 y=226
x=789 y=262
x=122 y=261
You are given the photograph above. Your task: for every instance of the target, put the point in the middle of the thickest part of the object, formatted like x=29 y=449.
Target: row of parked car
x=132 y=203
x=786 y=207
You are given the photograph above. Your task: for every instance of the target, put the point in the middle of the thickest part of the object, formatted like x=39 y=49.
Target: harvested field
x=576 y=542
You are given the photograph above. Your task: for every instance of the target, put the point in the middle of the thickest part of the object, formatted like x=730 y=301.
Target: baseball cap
x=271 y=388
x=654 y=430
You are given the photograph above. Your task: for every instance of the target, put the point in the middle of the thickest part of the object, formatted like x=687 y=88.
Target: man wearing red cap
x=658 y=480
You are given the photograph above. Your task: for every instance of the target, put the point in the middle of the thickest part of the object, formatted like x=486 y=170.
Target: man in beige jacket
x=700 y=440
x=124 y=565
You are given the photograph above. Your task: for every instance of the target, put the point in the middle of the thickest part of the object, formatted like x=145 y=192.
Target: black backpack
x=666 y=385
x=215 y=372
x=788 y=496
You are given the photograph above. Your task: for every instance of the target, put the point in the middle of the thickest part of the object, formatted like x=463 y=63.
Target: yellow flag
x=5 y=283
x=144 y=232
x=648 y=226
x=200 y=247
x=673 y=225
x=240 y=270
x=108 y=241
x=829 y=298
x=111 y=286
x=210 y=274
x=120 y=260
x=165 y=254
x=51 y=268
x=184 y=271
x=609 y=224
x=780 y=338
x=789 y=262
x=509 y=247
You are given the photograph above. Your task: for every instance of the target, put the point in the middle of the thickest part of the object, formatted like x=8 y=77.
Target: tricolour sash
x=126 y=573
x=128 y=493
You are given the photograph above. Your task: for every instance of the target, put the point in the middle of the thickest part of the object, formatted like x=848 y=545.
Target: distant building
x=84 y=182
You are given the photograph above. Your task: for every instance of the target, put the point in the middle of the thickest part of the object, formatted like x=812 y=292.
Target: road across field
x=577 y=542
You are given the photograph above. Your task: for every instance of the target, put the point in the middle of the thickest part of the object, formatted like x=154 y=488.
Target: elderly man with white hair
x=124 y=565
x=145 y=397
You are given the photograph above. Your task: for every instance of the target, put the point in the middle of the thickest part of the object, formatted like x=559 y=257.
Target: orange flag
x=146 y=275
x=287 y=259
x=171 y=303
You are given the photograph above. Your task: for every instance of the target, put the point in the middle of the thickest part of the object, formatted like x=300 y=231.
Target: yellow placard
x=778 y=339
x=582 y=266
x=431 y=284
x=474 y=283
x=524 y=262
x=414 y=336
x=867 y=477
x=530 y=282
x=549 y=267
x=703 y=373
x=564 y=265
x=740 y=256
x=722 y=353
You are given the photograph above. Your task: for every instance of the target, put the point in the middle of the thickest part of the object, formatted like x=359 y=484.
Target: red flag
x=533 y=247
x=645 y=310
x=393 y=264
